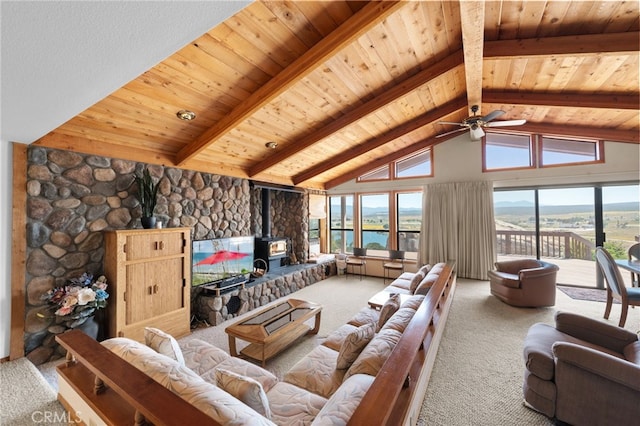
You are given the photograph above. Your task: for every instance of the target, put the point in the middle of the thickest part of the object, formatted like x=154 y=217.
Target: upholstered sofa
x=525 y=283
x=340 y=381
x=411 y=283
x=324 y=387
x=583 y=371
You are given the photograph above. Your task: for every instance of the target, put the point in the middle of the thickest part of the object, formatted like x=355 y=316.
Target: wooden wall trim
x=18 y=250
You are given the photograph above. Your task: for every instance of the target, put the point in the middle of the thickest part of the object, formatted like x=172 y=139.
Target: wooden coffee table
x=273 y=329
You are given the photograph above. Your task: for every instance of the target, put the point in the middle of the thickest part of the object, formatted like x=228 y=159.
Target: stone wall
x=215 y=309
x=72 y=198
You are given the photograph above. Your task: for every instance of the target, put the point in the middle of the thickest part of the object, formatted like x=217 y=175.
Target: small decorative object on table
x=74 y=305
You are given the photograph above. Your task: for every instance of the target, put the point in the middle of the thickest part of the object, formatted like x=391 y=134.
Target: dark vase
x=148 y=222
x=90 y=327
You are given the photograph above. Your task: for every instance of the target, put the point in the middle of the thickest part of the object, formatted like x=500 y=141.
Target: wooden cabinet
x=149 y=276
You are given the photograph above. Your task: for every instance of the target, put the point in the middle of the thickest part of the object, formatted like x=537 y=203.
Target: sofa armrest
x=594 y=331
x=542 y=271
x=599 y=364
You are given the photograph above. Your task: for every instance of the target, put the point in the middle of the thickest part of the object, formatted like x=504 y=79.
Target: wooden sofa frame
x=119 y=393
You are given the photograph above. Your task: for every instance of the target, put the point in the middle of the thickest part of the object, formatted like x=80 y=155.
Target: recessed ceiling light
x=186 y=115
x=271 y=145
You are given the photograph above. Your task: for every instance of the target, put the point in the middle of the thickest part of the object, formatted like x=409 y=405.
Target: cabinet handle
x=159 y=245
x=150 y=290
x=155 y=288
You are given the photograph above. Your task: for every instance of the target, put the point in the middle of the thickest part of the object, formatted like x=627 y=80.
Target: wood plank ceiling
x=342 y=87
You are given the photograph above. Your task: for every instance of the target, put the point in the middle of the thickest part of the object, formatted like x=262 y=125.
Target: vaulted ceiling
x=342 y=87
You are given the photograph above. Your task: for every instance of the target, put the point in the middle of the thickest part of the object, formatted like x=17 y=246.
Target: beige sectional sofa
x=329 y=386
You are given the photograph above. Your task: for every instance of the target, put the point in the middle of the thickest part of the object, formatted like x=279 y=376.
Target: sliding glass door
x=565 y=225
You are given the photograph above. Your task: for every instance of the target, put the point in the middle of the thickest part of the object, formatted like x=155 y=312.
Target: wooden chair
x=395 y=263
x=357 y=260
x=615 y=286
x=634 y=256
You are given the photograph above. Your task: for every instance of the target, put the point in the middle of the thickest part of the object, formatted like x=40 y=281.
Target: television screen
x=221 y=259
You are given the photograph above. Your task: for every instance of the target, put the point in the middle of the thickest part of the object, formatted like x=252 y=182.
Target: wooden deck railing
x=553 y=244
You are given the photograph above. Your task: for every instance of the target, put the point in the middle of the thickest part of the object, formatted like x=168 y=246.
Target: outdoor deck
x=577 y=272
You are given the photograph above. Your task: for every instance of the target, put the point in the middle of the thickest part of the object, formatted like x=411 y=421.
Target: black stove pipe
x=266 y=213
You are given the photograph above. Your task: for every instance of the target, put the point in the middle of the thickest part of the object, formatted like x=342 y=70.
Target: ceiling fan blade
x=476 y=133
x=452 y=122
x=492 y=115
x=449 y=133
x=506 y=123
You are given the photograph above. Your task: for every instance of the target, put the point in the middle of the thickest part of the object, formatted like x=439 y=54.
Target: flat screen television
x=221 y=261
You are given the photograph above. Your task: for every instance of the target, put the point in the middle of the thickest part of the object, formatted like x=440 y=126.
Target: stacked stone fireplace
x=271 y=250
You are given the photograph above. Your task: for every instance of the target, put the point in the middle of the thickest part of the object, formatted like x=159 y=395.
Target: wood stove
x=273 y=250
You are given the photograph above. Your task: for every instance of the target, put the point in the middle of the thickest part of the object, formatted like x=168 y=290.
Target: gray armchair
x=524 y=282
x=583 y=371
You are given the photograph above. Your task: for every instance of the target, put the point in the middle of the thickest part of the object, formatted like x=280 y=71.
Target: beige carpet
x=26 y=398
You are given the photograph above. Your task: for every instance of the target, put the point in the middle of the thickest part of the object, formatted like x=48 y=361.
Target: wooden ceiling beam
x=407 y=86
x=587 y=44
x=410 y=126
x=370 y=15
x=567 y=100
x=587 y=132
x=472 y=21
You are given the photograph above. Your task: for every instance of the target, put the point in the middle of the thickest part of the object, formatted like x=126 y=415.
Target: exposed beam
x=571 y=100
x=395 y=133
x=398 y=91
x=358 y=24
x=630 y=136
x=604 y=44
x=472 y=20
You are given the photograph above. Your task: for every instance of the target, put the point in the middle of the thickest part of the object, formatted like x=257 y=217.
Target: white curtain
x=458 y=224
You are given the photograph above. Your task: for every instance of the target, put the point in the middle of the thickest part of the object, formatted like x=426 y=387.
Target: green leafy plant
x=147 y=193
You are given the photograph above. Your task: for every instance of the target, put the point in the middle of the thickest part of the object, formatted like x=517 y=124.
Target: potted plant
x=147 y=195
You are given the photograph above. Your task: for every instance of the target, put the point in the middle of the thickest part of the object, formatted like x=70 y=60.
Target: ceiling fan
x=476 y=123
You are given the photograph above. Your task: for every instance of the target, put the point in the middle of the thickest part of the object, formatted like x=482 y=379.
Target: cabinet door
x=152 y=244
x=154 y=288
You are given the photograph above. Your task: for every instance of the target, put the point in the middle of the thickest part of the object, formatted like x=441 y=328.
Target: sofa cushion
x=425 y=269
x=291 y=405
x=415 y=281
x=401 y=283
x=413 y=302
x=203 y=358
x=317 y=372
x=375 y=353
x=353 y=344
x=390 y=307
x=343 y=403
x=213 y=401
x=399 y=320
x=506 y=279
x=426 y=283
x=245 y=389
x=364 y=316
x=336 y=337
x=163 y=343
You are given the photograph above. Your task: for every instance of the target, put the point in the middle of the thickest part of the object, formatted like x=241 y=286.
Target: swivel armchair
x=524 y=282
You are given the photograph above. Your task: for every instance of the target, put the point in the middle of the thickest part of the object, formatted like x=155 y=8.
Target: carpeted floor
x=27 y=398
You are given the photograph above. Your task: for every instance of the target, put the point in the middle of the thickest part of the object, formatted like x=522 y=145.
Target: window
x=381 y=173
x=418 y=164
x=507 y=151
x=374 y=222
x=555 y=151
x=341 y=223
x=409 y=222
